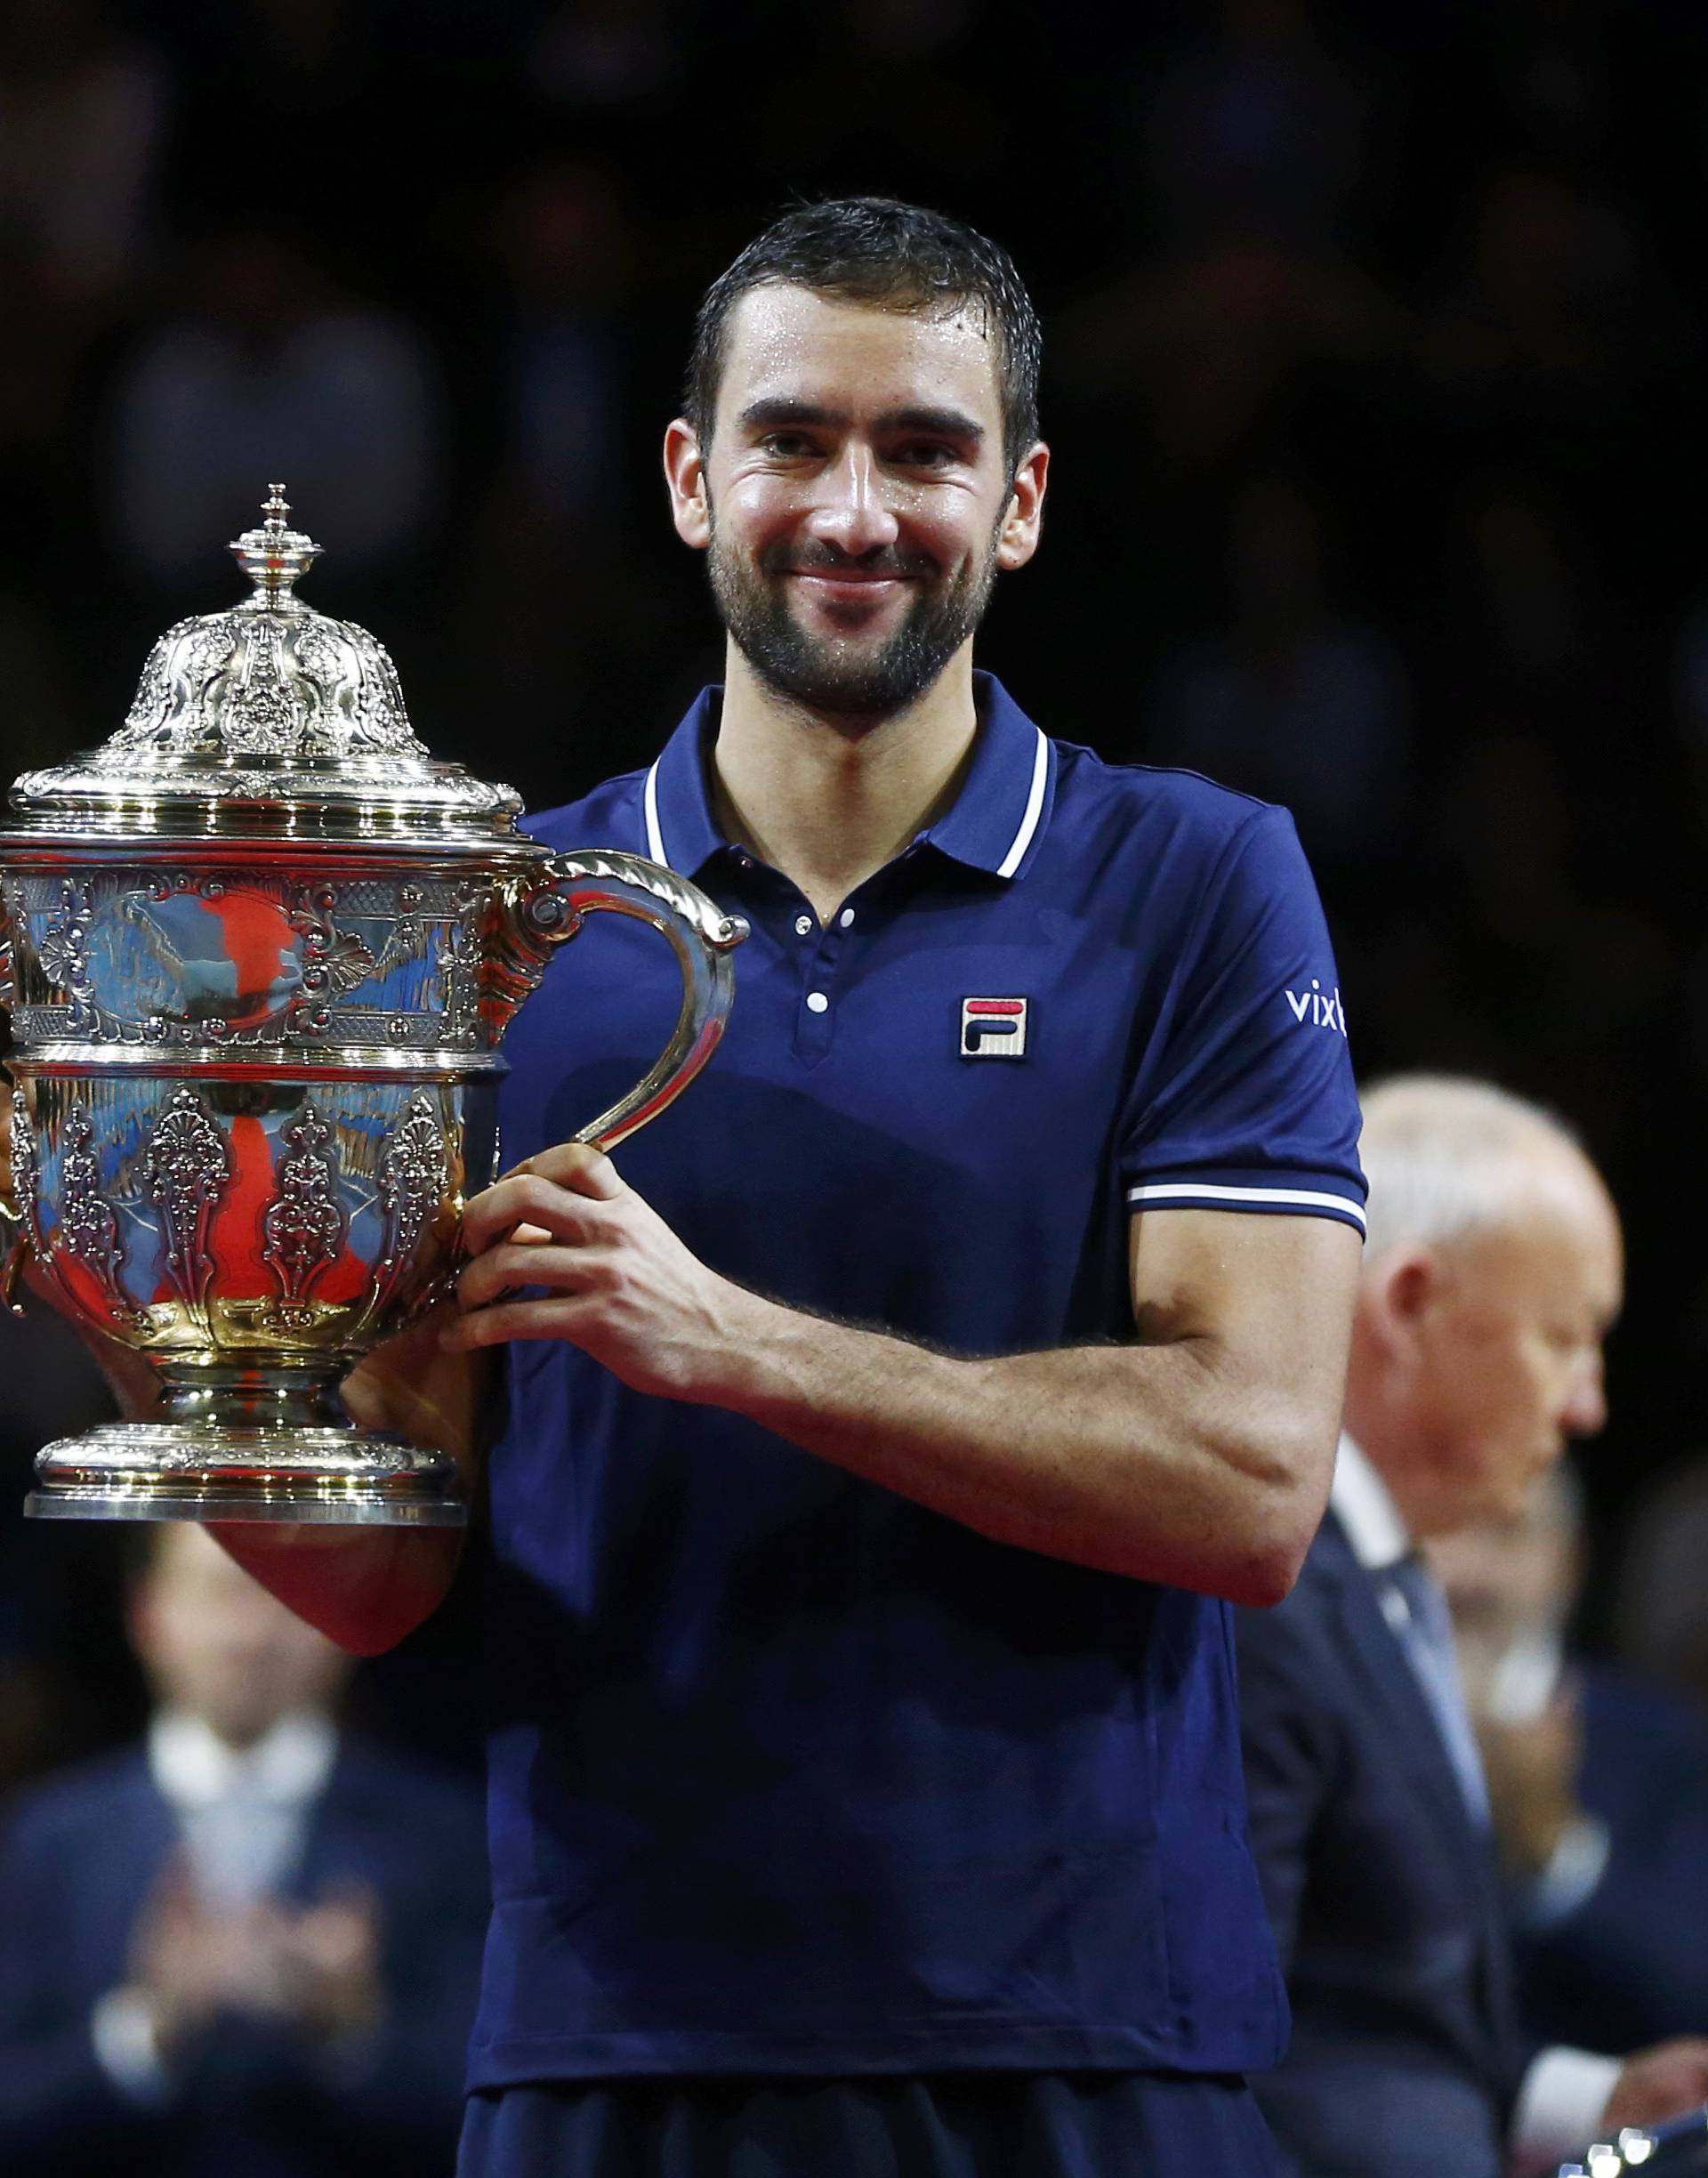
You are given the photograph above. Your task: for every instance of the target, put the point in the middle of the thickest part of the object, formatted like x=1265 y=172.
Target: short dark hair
x=893 y=256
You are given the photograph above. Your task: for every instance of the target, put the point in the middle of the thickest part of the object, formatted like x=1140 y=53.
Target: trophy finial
x=275 y=558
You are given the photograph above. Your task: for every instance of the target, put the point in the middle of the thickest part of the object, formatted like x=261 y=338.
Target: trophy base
x=161 y=1471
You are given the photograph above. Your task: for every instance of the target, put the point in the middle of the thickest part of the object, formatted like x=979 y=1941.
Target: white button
x=817 y=1003
x=803 y=926
x=846 y=918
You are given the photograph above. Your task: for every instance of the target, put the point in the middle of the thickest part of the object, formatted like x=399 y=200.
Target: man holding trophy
x=878 y=1451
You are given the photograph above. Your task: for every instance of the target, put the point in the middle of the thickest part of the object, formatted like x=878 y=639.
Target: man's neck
x=1387 y=1436
x=828 y=801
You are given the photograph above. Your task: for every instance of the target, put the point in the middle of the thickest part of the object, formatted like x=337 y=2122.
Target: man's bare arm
x=1200 y=1455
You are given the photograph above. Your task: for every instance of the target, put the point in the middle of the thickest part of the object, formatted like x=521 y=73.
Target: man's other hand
x=410 y=1387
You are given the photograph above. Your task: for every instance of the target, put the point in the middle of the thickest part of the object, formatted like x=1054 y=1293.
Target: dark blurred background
x=1374 y=342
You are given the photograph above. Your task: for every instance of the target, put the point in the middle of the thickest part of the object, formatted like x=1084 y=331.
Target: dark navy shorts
x=983 y=2125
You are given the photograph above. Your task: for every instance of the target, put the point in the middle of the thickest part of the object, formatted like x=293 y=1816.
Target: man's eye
x=928 y=453
x=786 y=446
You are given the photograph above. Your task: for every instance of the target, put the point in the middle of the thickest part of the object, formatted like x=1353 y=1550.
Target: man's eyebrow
x=939 y=423
x=780 y=411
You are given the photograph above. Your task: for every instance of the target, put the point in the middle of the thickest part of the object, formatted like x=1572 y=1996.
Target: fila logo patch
x=1323 y=1012
x=993 y=1027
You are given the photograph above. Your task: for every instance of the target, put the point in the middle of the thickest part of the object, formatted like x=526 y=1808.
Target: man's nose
x=853 y=512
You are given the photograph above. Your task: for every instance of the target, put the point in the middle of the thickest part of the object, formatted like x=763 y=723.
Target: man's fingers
x=555 y=1318
x=577 y=1166
x=527 y=1198
x=508 y=1265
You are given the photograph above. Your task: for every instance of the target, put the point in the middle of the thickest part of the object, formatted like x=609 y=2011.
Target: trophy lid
x=267 y=721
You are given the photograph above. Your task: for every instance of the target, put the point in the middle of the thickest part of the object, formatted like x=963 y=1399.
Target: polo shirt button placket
x=817 y=1020
x=813 y=1023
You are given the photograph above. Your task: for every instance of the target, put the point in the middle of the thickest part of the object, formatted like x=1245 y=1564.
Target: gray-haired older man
x=1493 y=1273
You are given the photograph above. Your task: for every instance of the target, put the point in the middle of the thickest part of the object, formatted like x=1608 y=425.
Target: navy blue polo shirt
x=789 y=1774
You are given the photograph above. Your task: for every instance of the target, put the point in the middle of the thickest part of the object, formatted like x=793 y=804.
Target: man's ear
x=1400 y=1293
x=1017 y=538
x=685 y=474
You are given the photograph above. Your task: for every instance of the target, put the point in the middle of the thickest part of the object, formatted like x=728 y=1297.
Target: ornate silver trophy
x=259 y=951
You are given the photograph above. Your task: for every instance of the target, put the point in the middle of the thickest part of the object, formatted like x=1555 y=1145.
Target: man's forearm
x=1153 y=1461
x=1200 y=1455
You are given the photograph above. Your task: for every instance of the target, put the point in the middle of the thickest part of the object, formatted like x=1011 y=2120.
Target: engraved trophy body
x=259 y=951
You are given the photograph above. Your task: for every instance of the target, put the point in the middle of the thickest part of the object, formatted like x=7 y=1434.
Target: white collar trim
x=1022 y=839
x=654 y=837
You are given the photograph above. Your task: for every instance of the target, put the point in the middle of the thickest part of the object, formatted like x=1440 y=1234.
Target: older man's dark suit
x=1382 y=1891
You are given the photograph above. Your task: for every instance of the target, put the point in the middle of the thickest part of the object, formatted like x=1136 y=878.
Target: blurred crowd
x=1374 y=345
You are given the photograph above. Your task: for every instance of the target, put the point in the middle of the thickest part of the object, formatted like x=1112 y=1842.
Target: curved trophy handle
x=544 y=906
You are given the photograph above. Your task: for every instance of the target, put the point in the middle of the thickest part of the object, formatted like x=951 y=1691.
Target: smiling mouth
x=850 y=599
x=849 y=578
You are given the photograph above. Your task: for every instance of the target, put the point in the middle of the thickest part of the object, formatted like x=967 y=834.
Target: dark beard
x=752 y=604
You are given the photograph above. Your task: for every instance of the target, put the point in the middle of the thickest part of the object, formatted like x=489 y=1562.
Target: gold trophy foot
x=158 y=1471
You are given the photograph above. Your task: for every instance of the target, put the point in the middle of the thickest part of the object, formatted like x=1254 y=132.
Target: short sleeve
x=1245 y=1099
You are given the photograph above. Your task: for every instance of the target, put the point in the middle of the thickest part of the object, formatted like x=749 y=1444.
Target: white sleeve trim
x=654 y=837
x=1193 y=1190
x=1561 y=2103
